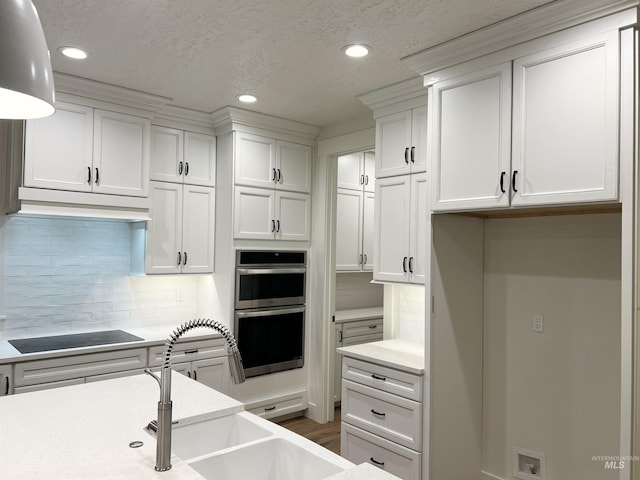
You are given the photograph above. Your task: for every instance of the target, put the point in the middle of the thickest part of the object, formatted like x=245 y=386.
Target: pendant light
x=26 y=78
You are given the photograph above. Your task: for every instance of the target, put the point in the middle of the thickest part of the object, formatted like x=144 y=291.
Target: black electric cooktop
x=74 y=340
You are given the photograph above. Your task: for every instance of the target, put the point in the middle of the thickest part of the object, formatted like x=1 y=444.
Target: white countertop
x=354 y=314
x=155 y=335
x=84 y=431
x=398 y=354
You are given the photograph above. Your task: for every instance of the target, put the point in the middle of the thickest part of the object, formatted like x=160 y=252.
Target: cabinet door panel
x=164 y=230
x=420 y=230
x=200 y=159
x=393 y=138
x=294 y=165
x=350 y=171
x=368 y=221
x=471 y=139
x=166 y=154
x=198 y=224
x=293 y=212
x=391 y=241
x=369 y=172
x=254 y=213
x=121 y=154
x=255 y=160
x=565 y=133
x=419 y=139
x=348 y=230
x=213 y=373
x=59 y=149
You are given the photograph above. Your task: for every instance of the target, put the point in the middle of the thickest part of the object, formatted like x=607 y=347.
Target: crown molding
x=179 y=117
x=233 y=118
x=544 y=20
x=105 y=92
x=399 y=96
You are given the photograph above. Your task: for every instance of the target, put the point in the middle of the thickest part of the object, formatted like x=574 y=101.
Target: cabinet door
x=369 y=172
x=164 y=232
x=420 y=229
x=6 y=383
x=255 y=164
x=121 y=154
x=167 y=162
x=349 y=216
x=59 y=149
x=350 y=171
x=368 y=223
x=200 y=159
x=471 y=141
x=198 y=225
x=391 y=241
x=565 y=123
x=393 y=144
x=293 y=166
x=213 y=373
x=418 y=156
x=293 y=216
x=254 y=213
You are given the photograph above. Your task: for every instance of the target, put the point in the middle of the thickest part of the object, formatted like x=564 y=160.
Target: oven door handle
x=267 y=271
x=265 y=312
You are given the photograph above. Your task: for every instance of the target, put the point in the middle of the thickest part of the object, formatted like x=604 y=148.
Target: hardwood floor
x=327 y=434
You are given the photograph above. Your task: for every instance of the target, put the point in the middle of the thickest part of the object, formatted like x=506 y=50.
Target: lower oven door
x=270 y=340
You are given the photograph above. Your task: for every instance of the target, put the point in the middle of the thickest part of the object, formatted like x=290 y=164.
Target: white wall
x=556 y=392
x=404 y=314
x=63 y=275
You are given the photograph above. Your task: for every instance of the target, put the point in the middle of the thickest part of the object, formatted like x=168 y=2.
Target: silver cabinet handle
x=366 y=259
x=366 y=179
x=361 y=262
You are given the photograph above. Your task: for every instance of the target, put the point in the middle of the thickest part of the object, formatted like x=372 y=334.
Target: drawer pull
x=378 y=377
x=379 y=414
x=270 y=409
x=375 y=462
x=190 y=352
x=6 y=385
x=373 y=326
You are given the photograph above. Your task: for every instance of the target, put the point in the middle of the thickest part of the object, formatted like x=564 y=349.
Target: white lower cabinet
x=71 y=370
x=202 y=360
x=382 y=417
x=277 y=407
x=6 y=382
x=180 y=236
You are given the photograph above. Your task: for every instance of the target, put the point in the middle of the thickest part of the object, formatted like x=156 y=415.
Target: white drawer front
x=359 y=446
x=361 y=327
x=277 y=407
x=394 y=418
x=78 y=366
x=189 y=351
x=374 y=337
x=389 y=380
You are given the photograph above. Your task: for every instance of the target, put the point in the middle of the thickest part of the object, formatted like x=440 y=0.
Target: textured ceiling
x=202 y=53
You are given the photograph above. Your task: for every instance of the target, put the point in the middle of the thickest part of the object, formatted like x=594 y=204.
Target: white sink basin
x=272 y=459
x=197 y=439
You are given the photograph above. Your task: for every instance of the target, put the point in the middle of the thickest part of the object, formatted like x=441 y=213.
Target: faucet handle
x=154 y=376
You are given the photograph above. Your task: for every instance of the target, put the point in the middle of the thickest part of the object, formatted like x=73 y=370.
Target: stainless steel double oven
x=270 y=296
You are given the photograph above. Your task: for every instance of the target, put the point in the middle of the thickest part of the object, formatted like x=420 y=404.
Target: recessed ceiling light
x=73 y=52
x=357 y=50
x=246 y=98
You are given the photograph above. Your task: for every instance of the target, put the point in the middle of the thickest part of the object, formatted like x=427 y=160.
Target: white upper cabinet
x=356 y=171
x=401 y=229
x=565 y=123
x=183 y=157
x=121 y=154
x=88 y=150
x=269 y=163
x=539 y=130
x=401 y=145
x=180 y=236
x=266 y=214
x=349 y=230
x=59 y=149
x=471 y=124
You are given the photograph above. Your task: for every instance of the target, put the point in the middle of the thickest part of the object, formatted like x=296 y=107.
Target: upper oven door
x=269 y=287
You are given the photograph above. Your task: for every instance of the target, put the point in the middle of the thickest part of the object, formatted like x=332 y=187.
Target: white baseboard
x=489 y=476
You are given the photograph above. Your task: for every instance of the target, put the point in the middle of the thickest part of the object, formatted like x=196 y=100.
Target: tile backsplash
x=63 y=274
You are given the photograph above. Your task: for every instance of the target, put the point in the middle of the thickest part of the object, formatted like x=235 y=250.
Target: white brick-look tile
x=65 y=275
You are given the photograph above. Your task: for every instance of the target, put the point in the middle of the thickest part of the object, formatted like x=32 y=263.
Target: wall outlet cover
x=529 y=465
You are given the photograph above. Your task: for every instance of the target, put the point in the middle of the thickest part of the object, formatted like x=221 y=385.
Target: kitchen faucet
x=163 y=434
